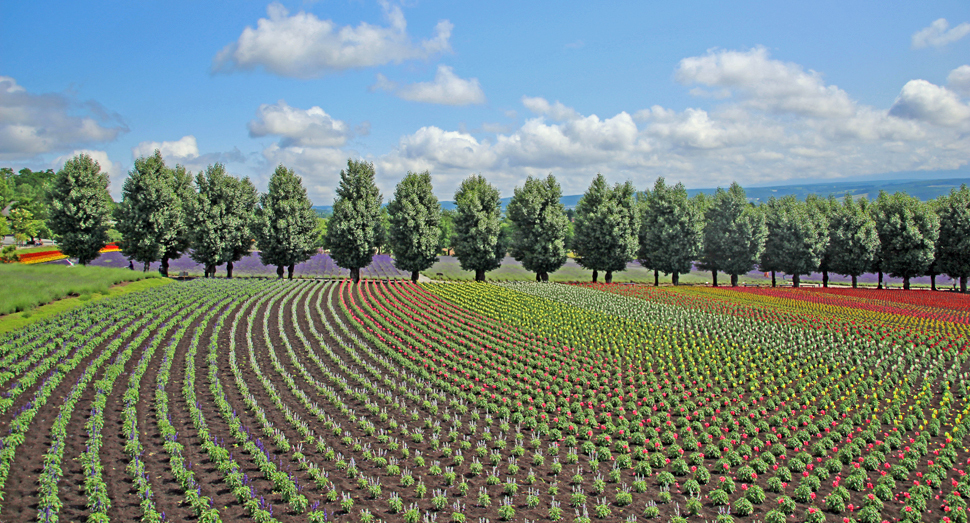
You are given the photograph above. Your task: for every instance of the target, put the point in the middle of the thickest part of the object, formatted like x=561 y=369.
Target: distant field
x=449 y=269
x=27 y=286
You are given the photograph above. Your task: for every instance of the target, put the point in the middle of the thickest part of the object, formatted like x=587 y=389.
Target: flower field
x=265 y=400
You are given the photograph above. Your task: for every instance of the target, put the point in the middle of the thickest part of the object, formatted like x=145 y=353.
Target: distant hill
x=922 y=189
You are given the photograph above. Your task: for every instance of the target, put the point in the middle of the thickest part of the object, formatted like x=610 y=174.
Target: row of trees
x=216 y=218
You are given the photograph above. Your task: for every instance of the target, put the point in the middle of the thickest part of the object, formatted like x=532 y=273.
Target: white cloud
x=305 y=128
x=557 y=111
x=304 y=46
x=939 y=34
x=184 y=148
x=959 y=80
x=921 y=100
x=765 y=84
x=34 y=124
x=446 y=89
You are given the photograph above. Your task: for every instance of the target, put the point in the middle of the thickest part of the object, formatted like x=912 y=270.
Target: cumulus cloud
x=304 y=128
x=922 y=100
x=763 y=83
x=938 y=34
x=765 y=129
x=184 y=148
x=304 y=46
x=446 y=89
x=34 y=124
x=959 y=80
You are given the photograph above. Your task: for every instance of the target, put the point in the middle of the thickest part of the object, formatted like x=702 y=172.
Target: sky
x=702 y=93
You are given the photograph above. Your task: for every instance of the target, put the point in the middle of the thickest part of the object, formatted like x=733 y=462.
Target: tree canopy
x=908 y=230
x=797 y=238
x=286 y=230
x=477 y=227
x=539 y=226
x=606 y=228
x=222 y=219
x=954 y=238
x=151 y=217
x=853 y=240
x=415 y=218
x=670 y=230
x=80 y=208
x=352 y=231
x=734 y=234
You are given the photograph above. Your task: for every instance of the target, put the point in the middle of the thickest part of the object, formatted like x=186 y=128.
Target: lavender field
x=320 y=266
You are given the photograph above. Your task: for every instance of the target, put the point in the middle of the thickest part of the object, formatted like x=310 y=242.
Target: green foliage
x=446 y=230
x=908 y=230
x=606 y=227
x=4 y=229
x=151 y=217
x=80 y=208
x=539 y=226
x=797 y=237
x=286 y=231
x=734 y=233
x=221 y=218
x=27 y=286
x=352 y=232
x=670 y=230
x=415 y=218
x=477 y=228
x=22 y=224
x=853 y=240
x=953 y=247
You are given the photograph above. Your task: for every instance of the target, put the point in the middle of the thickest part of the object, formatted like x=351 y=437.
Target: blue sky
x=703 y=93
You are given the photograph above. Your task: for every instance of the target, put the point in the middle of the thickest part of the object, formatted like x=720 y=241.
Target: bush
x=755 y=494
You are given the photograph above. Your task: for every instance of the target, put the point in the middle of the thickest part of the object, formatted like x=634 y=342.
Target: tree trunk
x=774 y=282
x=289 y=271
x=164 y=267
x=145 y=267
x=855 y=281
x=479 y=275
x=932 y=282
x=906 y=283
x=609 y=277
x=825 y=279
x=544 y=277
x=796 y=279
x=734 y=280
x=675 y=278
x=538 y=277
x=355 y=274
x=279 y=272
x=229 y=270
x=656 y=278
x=880 y=280
x=713 y=278
x=596 y=274
x=963 y=284
x=414 y=276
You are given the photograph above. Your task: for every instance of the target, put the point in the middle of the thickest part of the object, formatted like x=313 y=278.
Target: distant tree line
x=217 y=219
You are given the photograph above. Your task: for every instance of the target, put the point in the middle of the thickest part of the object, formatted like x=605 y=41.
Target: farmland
x=315 y=400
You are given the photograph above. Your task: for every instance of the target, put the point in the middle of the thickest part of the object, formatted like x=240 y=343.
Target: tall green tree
x=827 y=208
x=953 y=244
x=352 y=231
x=151 y=217
x=446 y=228
x=853 y=240
x=539 y=226
x=734 y=234
x=797 y=238
x=22 y=223
x=477 y=227
x=415 y=220
x=671 y=230
x=908 y=230
x=80 y=208
x=286 y=231
x=222 y=220
x=606 y=228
